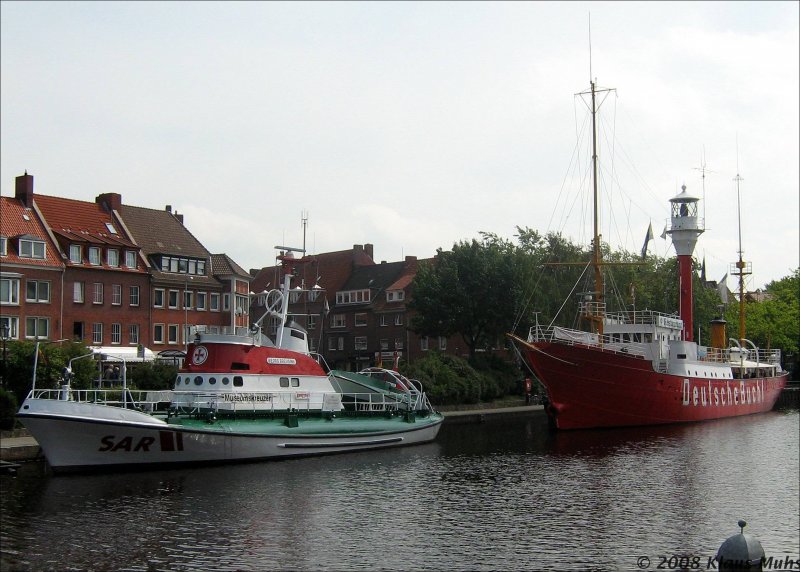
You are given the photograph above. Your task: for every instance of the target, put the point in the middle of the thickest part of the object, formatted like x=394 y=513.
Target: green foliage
x=8 y=408
x=450 y=380
x=153 y=376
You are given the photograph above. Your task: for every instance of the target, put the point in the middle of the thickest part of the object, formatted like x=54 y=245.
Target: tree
x=469 y=291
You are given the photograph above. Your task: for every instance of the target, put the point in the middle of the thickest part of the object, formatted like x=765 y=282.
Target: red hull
x=589 y=387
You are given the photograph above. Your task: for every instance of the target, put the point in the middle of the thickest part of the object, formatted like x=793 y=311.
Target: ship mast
x=740 y=268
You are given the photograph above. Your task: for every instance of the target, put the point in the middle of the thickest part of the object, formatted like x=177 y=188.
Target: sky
x=413 y=126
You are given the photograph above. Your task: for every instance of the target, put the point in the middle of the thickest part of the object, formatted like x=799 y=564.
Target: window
x=94 y=256
x=158 y=298
x=312 y=322
x=130 y=258
x=335 y=343
x=398 y=319
x=172 y=332
x=398 y=343
x=12 y=323
x=158 y=333
x=112 y=257
x=226 y=302
x=98 y=293
x=36 y=328
x=3 y=246
x=77 y=292
x=187 y=299
x=37 y=291
x=214 y=302
x=442 y=343
x=116 y=294
x=133 y=298
x=360 y=342
x=173 y=299
x=201 y=301
x=395 y=296
x=97 y=333
x=423 y=343
x=338 y=321
x=111 y=228
x=9 y=290
x=382 y=320
x=75 y=253
x=353 y=297
x=384 y=344
x=31 y=248
x=116 y=333
x=133 y=334
x=361 y=320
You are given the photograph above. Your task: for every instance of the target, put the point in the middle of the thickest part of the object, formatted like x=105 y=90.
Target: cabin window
x=198 y=380
x=295 y=382
x=681 y=356
x=225 y=381
x=238 y=381
x=239 y=365
x=297 y=334
x=212 y=380
x=284 y=382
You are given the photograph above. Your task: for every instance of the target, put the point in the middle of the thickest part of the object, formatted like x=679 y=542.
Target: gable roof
x=172 y=238
x=15 y=221
x=223 y=265
x=81 y=221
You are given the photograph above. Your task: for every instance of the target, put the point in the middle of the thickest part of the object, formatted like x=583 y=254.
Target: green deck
x=309 y=424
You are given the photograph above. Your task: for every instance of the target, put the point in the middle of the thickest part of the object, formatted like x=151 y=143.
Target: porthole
x=212 y=380
x=225 y=381
x=186 y=380
x=198 y=380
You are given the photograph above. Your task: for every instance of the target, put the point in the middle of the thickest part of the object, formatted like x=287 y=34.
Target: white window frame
x=78 y=292
x=32 y=248
x=97 y=293
x=116 y=334
x=423 y=343
x=10 y=294
x=3 y=246
x=116 y=294
x=442 y=343
x=38 y=296
x=130 y=259
x=360 y=343
x=133 y=333
x=75 y=253
x=338 y=321
x=213 y=302
x=173 y=331
x=360 y=320
x=158 y=293
x=202 y=300
x=158 y=333
x=97 y=332
x=112 y=257
x=94 y=255
x=133 y=295
x=172 y=299
x=13 y=326
x=398 y=319
x=37 y=324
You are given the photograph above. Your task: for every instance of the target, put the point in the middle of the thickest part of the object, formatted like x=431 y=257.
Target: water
x=502 y=495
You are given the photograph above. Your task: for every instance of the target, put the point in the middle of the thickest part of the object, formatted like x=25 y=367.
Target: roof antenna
x=703 y=169
x=590 y=47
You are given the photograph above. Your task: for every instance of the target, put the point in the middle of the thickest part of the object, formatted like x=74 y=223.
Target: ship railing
x=150 y=401
x=646 y=317
x=605 y=342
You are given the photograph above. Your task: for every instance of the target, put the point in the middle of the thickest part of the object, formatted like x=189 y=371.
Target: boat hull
x=99 y=437
x=588 y=387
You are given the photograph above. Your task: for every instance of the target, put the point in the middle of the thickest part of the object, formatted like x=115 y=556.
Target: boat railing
x=604 y=342
x=169 y=401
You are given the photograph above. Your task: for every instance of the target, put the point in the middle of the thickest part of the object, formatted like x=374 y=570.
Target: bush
x=8 y=408
x=153 y=376
x=450 y=380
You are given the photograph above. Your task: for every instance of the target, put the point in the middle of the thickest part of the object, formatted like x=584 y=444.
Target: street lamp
x=36 y=358
x=4 y=333
x=186 y=313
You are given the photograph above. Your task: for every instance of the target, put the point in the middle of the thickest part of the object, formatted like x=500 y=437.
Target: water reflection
x=497 y=495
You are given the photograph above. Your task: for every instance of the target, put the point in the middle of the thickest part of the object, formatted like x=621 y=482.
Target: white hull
x=79 y=436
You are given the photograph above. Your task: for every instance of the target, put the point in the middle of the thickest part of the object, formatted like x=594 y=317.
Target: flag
x=722 y=289
x=647 y=239
x=664 y=233
x=325 y=308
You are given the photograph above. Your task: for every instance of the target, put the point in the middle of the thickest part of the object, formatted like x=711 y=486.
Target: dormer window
x=130 y=259
x=395 y=296
x=111 y=228
x=94 y=255
x=3 y=246
x=112 y=257
x=353 y=297
x=31 y=248
x=75 y=253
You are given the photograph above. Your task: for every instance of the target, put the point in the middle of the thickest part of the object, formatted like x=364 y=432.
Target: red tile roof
x=81 y=221
x=16 y=221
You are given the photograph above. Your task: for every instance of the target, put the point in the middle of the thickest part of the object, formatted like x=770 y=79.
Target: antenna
x=590 y=47
x=304 y=222
x=704 y=169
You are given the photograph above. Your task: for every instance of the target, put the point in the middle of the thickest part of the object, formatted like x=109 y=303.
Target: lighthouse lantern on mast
x=684 y=229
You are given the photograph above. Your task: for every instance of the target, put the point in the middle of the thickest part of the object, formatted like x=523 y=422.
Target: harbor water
x=504 y=494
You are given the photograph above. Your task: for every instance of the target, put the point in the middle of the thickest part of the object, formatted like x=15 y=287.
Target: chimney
x=24 y=189
x=111 y=201
x=368 y=249
x=179 y=217
x=358 y=248
x=168 y=208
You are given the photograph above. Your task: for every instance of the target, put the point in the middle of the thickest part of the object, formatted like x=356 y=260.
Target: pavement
x=25 y=448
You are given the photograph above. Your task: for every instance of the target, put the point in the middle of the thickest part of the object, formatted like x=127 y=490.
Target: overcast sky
x=411 y=125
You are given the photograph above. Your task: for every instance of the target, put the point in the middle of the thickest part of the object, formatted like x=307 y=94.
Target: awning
x=130 y=354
